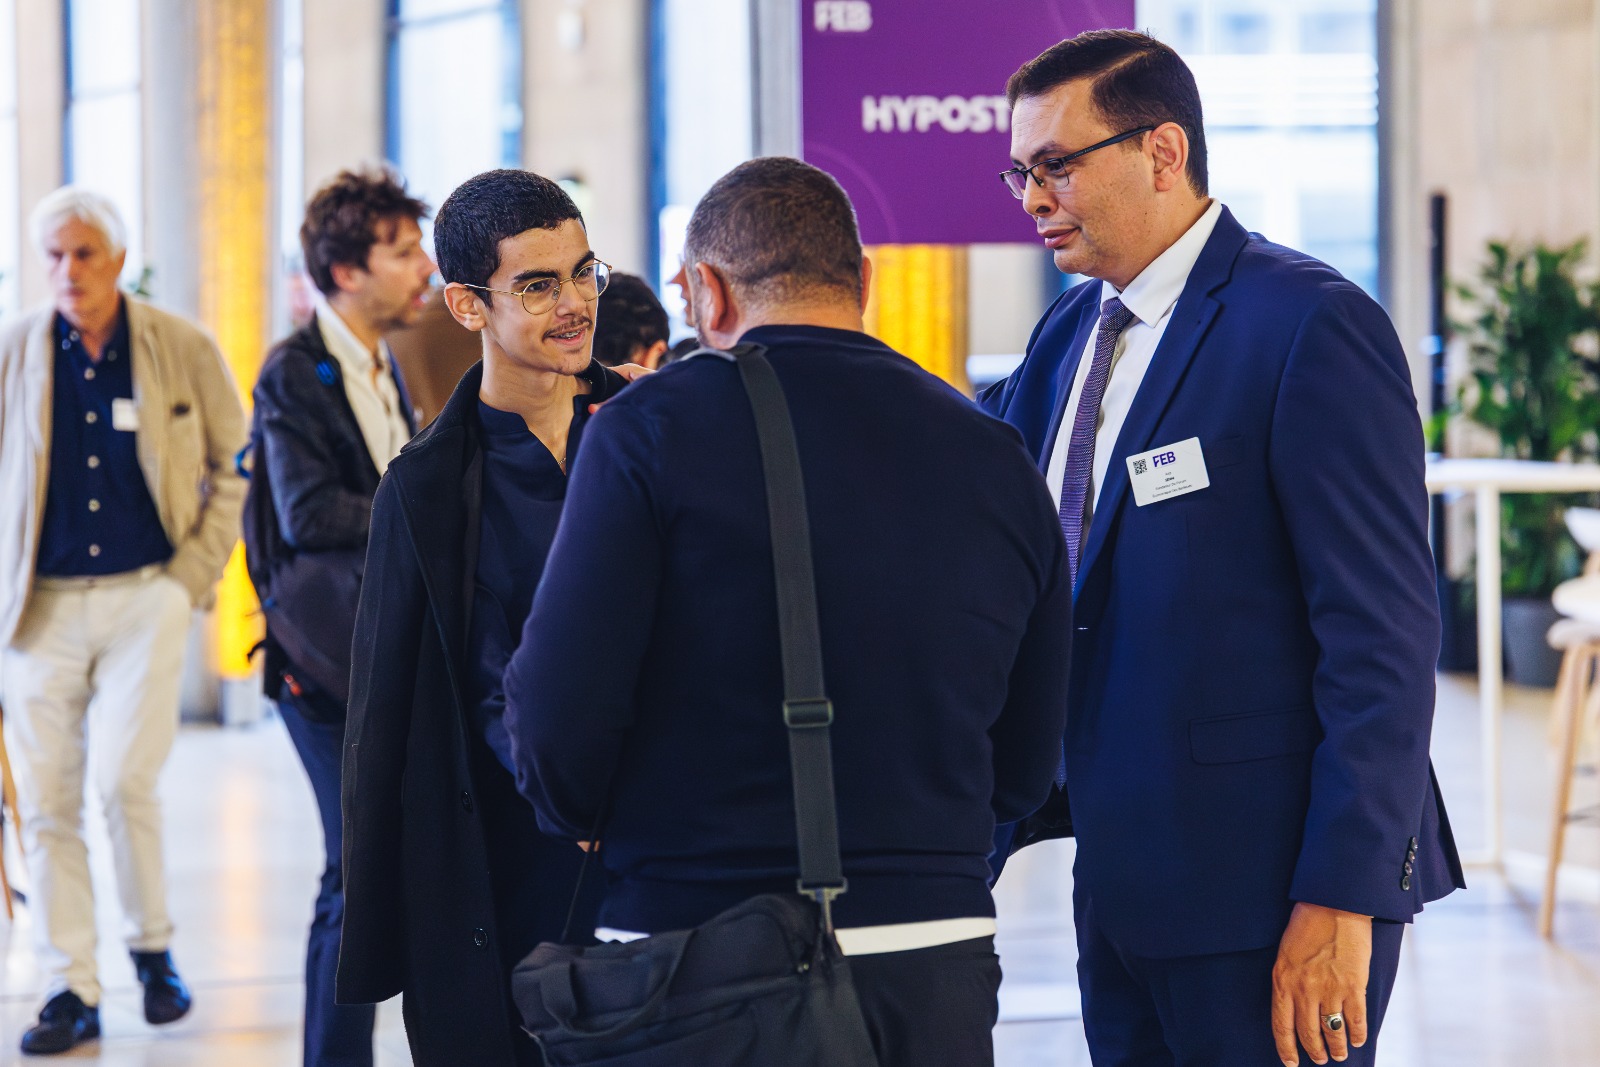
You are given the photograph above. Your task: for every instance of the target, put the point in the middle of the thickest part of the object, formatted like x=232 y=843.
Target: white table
x=1488 y=479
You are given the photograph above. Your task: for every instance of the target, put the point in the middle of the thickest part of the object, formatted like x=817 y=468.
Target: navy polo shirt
x=524 y=490
x=99 y=517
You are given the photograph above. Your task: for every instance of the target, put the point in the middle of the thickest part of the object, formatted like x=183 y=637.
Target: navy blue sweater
x=649 y=669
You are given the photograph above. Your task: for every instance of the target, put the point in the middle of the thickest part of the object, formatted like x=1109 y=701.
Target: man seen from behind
x=648 y=682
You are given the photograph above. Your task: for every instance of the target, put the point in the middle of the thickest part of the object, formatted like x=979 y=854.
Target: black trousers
x=534 y=879
x=931 y=1007
x=336 y=1035
x=1200 y=1011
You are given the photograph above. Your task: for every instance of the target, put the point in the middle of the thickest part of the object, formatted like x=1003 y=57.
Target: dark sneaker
x=65 y=1023
x=166 y=998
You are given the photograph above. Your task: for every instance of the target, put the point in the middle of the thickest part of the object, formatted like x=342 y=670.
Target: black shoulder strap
x=807 y=711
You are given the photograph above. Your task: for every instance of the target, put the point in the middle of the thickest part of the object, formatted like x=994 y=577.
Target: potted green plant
x=1533 y=339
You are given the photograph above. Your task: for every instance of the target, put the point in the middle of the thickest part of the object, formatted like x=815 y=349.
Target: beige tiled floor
x=1477 y=988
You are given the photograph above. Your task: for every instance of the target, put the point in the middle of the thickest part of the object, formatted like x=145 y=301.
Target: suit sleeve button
x=466 y=800
x=1405 y=882
x=1409 y=868
x=480 y=937
x=1413 y=845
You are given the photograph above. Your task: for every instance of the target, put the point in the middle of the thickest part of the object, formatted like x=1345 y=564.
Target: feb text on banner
x=903 y=101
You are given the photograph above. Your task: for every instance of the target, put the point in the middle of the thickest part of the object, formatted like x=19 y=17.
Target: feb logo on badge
x=842 y=16
x=1169 y=471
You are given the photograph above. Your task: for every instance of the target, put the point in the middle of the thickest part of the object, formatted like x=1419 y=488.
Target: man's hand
x=1322 y=968
x=631 y=371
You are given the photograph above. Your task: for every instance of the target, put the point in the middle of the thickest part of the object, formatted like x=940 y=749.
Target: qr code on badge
x=1140 y=466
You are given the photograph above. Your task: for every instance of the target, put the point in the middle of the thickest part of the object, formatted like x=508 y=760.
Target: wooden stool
x=1576 y=701
x=8 y=803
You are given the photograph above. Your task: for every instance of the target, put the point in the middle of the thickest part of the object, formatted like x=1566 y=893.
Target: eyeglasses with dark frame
x=1056 y=171
x=542 y=294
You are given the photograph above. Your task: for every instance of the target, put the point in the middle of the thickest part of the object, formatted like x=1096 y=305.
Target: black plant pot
x=1525 y=622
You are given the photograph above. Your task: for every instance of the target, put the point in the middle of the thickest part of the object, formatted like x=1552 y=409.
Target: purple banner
x=904 y=102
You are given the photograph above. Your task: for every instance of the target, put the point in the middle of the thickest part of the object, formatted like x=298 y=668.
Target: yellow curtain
x=234 y=86
x=918 y=306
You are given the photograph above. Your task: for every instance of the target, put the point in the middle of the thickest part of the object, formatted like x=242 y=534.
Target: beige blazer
x=191 y=428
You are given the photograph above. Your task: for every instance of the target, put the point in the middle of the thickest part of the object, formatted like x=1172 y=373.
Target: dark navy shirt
x=99 y=517
x=524 y=490
x=650 y=679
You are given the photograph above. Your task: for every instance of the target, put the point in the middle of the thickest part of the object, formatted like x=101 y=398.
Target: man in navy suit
x=1229 y=428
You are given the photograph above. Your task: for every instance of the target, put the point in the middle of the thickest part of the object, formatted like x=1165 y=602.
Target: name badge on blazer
x=124 y=414
x=1168 y=471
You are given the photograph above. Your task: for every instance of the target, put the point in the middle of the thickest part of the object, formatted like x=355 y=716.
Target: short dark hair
x=1138 y=81
x=486 y=209
x=351 y=212
x=629 y=317
x=778 y=227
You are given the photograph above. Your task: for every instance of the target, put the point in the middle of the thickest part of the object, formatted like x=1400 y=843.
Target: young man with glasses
x=448 y=881
x=1230 y=430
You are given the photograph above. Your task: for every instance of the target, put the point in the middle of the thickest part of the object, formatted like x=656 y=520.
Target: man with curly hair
x=330 y=413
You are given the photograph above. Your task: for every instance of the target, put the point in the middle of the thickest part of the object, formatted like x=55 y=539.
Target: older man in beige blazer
x=119 y=505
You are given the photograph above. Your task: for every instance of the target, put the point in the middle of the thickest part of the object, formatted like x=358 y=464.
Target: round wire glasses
x=541 y=294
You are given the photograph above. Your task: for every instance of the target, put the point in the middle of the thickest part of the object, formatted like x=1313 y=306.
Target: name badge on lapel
x=1166 y=472
x=124 y=414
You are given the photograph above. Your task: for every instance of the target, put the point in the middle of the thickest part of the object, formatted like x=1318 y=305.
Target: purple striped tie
x=1114 y=318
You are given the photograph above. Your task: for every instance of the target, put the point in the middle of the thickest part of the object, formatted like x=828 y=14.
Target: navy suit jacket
x=1253 y=670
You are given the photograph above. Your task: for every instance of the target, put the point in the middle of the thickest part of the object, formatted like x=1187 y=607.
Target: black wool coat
x=447 y=879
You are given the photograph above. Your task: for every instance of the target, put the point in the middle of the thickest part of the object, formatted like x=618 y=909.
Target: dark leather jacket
x=307 y=517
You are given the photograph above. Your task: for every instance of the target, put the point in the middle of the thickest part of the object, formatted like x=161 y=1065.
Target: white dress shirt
x=873 y=940
x=369 y=384
x=1151 y=297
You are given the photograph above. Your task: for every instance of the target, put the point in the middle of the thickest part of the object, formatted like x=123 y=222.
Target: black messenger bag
x=762 y=984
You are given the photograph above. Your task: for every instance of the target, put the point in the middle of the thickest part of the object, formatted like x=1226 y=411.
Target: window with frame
x=105 y=121
x=455 y=91
x=1290 y=92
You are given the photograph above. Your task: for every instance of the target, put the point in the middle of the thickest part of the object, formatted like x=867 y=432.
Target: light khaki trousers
x=91 y=684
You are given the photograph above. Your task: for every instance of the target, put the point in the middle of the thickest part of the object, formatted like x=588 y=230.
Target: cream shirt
x=1151 y=297
x=376 y=403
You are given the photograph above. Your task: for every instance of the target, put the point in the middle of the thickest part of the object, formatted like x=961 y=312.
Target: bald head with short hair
x=779 y=231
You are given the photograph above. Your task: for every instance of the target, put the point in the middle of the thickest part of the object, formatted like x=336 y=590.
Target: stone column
x=585 y=72
x=918 y=306
x=345 y=60
x=233 y=203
